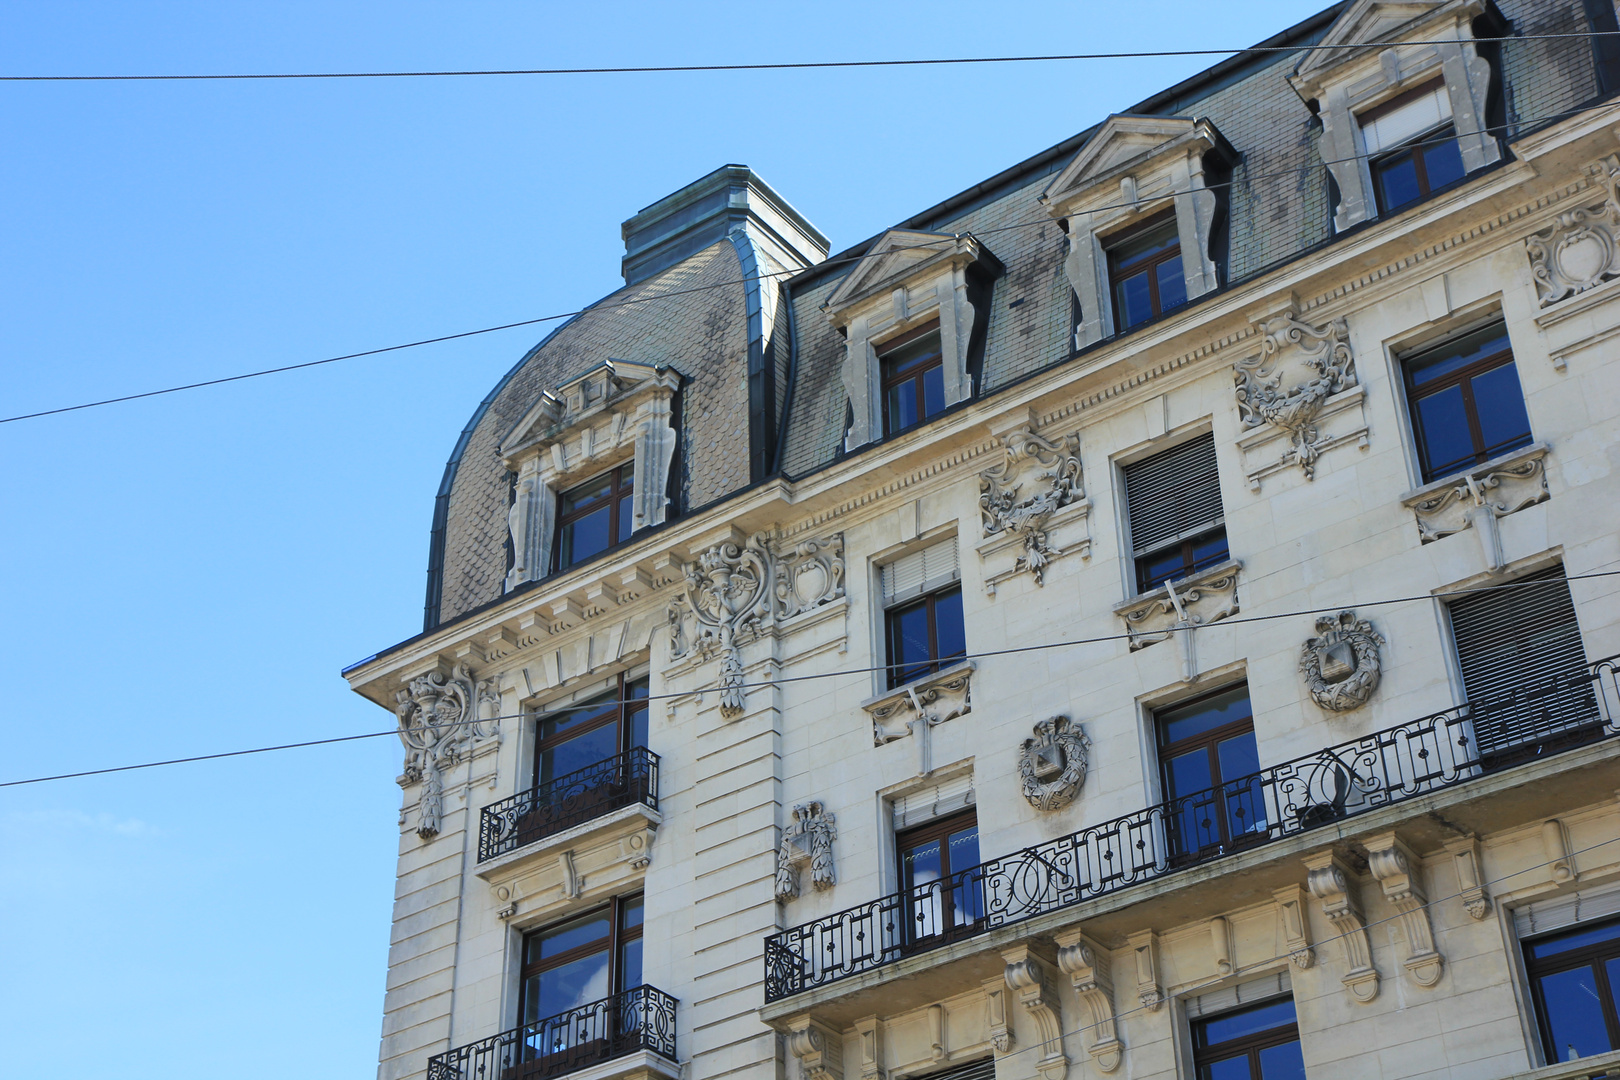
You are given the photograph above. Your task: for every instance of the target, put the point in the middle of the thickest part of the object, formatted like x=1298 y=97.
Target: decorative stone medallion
x=1019 y=494
x=1341 y=666
x=1052 y=765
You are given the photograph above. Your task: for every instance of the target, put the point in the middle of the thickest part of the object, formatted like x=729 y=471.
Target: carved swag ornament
x=733 y=590
x=1052 y=765
x=438 y=723
x=808 y=840
x=1019 y=494
x=1580 y=250
x=1341 y=667
x=1321 y=365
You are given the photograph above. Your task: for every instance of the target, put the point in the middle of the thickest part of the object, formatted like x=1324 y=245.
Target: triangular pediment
x=1125 y=139
x=1371 y=22
x=579 y=399
x=897 y=254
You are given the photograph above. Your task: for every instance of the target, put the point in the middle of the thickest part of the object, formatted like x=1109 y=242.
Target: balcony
x=638 y=1024
x=573 y=799
x=1414 y=759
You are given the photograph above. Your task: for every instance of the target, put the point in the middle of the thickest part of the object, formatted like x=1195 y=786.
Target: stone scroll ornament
x=808 y=840
x=1580 y=250
x=1341 y=666
x=439 y=722
x=1019 y=495
x=1321 y=360
x=1052 y=765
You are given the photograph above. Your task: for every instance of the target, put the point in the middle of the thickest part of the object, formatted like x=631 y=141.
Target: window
x=1524 y=668
x=586 y=761
x=1208 y=761
x=595 y=516
x=922 y=596
x=1467 y=406
x=1412 y=146
x=1145 y=272
x=913 y=370
x=1575 y=983
x=1178 y=526
x=1258 y=1042
x=940 y=879
x=574 y=999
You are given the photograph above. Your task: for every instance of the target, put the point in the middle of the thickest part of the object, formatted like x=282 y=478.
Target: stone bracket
x=870 y=1032
x=1029 y=978
x=1465 y=856
x=1087 y=965
x=819 y=1048
x=926 y=703
x=1177 y=608
x=1398 y=870
x=1145 y=950
x=1478 y=497
x=1295 y=927
x=1333 y=881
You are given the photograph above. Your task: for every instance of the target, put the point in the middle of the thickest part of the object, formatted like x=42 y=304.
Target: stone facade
x=764 y=842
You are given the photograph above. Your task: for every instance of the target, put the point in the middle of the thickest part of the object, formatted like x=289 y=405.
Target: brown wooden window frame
x=618 y=936
x=940 y=829
x=618 y=715
x=1205 y=1055
x=1389 y=156
x=917 y=374
x=1149 y=266
x=1210 y=741
x=623 y=484
x=1594 y=957
x=1464 y=379
x=899 y=675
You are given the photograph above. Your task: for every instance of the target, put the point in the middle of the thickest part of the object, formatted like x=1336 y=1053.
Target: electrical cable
x=603 y=703
x=766 y=276
x=1258 y=50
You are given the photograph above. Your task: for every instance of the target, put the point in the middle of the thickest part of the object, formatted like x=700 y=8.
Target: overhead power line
x=807 y=65
x=768 y=275
x=844 y=672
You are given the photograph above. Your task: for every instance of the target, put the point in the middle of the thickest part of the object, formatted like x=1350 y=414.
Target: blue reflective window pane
x=1578 y=939
x=567 y=987
x=631 y=913
x=576 y=716
x=583 y=538
x=933 y=391
x=1447 y=443
x=1285 y=1062
x=627 y=517
x=1397 y=183
x=922 y=864
x=1206 y=715
x=587 y=493
x=571 y=935
x=1135 y=303
x=948 y=627
x=1500 y=405
x=1172 y=284
x=630 y=964
x=580 y=752
x=1456 y=355
x=1442 y=164
x=1575 y=1013
x=967 y=895
x=1245 y=799
x=1234 y=1068
x=902 y=406
x=908 y=634
x=1158 y=569
x=1243 y=1022
x=1209 y=550
x=1188 y=773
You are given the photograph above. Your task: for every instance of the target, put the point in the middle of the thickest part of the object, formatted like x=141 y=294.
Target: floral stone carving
x=1340 y=667
x=1018 y=495
x=1052 y=765
x=1479 y=497
x=1579 y=250
x=808 y=840
x=439 y=722
x=1315 y=363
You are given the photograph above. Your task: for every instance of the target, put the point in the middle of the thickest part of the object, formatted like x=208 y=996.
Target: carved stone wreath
x=1341 y=667
x=1019 y=494
x=1052 y=765
x=1261 y=398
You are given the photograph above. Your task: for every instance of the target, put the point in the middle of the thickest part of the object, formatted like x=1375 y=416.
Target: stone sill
x=1579 y=304
x=1161 y=595
x=640 y=1063
x=609 y=827
x=1580 y=1069
x=901 y=693
x=1435 y=487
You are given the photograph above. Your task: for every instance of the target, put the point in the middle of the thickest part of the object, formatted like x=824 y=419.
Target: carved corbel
x=1029 y=978
x=1480 y=497
x=636 y=848
x=1087 y=965
x=1220 y=944
x=1294 y=925
x=1333 y=882
x=995 y=1002
x=441 y=720
x=870 y=1033
x=1145 y=952
x=572 y=885
x=819 y=1048
x=1560 y=862
x=1465 y=857
x=1397 y=869
x=808 y=841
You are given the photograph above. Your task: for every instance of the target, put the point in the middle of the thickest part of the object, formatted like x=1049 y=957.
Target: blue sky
x=188 y=574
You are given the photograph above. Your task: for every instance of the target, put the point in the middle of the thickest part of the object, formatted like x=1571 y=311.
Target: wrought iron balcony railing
x=639 y=1019
x=1399 y=763
x=573 y=799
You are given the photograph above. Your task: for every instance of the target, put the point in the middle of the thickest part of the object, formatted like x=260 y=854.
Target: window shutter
x=921 y=571
x=1173 y=494
x=1559 y=912
x=982 y=1069
x=1414 y=118
x=1244 y=993
x=936 y=801
x=1511 y=643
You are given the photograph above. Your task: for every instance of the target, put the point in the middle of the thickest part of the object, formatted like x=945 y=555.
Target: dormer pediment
x=1128 y=146
x=611 y=389
x=1373 y=23
x=903 y=259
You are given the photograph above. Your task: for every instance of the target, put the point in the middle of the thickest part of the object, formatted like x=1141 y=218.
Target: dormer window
x=597 y=515
x=1411 y=146
x=913 y=378
x=1144 y=269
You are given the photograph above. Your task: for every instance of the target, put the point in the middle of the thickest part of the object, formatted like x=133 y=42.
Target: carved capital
x=1087 y=965
x=808 y=841
x=1052 y=765
x=441 y=719
x=1397 y=869
x=1333 y=882
x=1029 y=978
x=1341 y=666
x=819 y=1048
x=1019 y=495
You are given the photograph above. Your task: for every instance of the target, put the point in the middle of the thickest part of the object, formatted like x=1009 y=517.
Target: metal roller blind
x=1511 y=644
x=921 y=571
x=1244 y=993
x=1173 y=494
x=936 y=801
x=1588 y=905
x=982 y=1069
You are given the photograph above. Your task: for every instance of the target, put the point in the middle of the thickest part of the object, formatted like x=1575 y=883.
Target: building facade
x=1146 y=616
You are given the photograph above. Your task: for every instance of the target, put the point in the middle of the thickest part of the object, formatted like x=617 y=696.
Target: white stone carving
x=809 y=574
x=1580 y=250
x=1477 y=498
x=1396 y=867
x=1029 y=978
x=1298 y=368
x=1341 y=666
x=1555 y=844
x=1087 y=965
x=1470 y=878
x=808 y=841
x=1295 y=926
x=1019 y=495
x=1145 y=951
x=1052 y=765
x=903 y=281
x=441 y=717
x=1333 y=882
x=925 y=703
x=1220 y=944
x=1177 y=608
x=819 y=1048
x=995 y=1002
x=614 y=411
